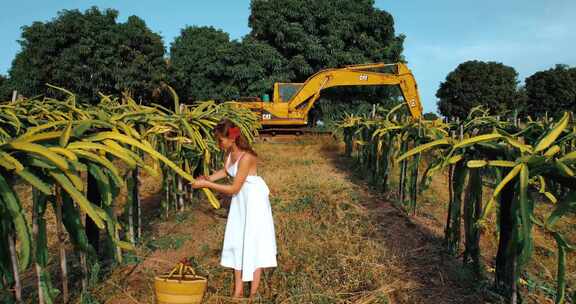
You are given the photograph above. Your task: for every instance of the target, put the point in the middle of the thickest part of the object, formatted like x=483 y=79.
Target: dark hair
x=222 y=130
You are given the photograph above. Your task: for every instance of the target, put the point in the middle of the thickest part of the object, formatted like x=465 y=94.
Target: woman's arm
x=244 y=166
x=218 y=175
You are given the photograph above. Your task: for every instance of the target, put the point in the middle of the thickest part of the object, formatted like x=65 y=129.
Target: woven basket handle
x=181 y=269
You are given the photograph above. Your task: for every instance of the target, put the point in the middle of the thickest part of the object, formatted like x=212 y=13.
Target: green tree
x=255 y=66
x=552 y=91
x=430 y=116
x=205 y=64
x=5 y=91
x=474 y=83
x=88 y=53
x=318 y=34
x=197 y=64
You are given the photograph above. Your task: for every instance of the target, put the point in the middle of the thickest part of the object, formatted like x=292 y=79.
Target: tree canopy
x=320 y=34
x=88 y=53
x=255 y=66
x=552 y=91
x=205 y=64
x=474 y=83
x=313 y=35
x=197 y=63
x=430 y=116
x=5 y=91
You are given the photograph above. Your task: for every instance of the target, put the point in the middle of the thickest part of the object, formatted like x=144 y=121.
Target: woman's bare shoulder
x=249 y=158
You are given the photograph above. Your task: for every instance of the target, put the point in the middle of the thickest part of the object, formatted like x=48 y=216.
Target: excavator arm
x=357 y=75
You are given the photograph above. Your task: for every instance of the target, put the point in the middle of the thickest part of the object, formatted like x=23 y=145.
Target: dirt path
x=337 y=241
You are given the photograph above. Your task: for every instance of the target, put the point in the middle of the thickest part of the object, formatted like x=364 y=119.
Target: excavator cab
x=283 y=92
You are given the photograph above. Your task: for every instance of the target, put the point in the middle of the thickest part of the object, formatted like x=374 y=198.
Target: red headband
x=233 y=133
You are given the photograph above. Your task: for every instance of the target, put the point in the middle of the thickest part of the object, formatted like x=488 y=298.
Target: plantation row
x=527 y=163
x=77 y=158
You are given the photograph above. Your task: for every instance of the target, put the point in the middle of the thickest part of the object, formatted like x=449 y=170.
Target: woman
x=249 y=240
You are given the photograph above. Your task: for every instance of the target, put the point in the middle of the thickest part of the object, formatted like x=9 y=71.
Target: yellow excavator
x=292 y=101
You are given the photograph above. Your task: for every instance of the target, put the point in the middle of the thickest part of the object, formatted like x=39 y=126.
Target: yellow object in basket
x=180 y=286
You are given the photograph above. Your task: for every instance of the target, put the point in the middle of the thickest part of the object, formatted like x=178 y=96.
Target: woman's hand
x=200 y=183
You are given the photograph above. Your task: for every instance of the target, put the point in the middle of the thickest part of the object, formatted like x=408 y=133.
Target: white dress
x=249 y=239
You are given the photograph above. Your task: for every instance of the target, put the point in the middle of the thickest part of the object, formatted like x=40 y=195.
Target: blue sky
x=529 y=35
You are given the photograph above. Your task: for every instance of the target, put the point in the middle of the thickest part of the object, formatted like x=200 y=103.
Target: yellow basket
x=180 y=286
